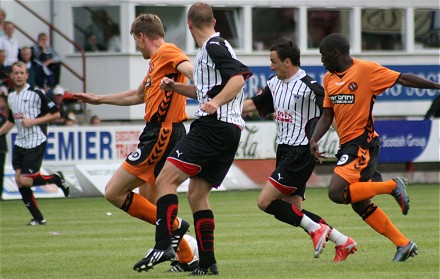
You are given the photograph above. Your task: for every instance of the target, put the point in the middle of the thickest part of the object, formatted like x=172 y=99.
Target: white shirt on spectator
x=10 y=45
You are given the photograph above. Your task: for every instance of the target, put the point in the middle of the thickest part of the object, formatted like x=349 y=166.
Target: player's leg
x=31 y=175
x=341 y=191
x=24 y=185
x=344 y=245
x=359 y=171
x=167 y=208
x=204 y=224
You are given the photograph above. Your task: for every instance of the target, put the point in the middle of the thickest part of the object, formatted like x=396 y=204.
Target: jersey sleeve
x=47 y=105
x=382 y=78
x=173 y=55
x=327 y=103
x=264 y=102
x=225 y=63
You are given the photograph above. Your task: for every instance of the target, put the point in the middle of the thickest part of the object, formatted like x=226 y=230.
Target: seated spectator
x=43 y=53
x=9 y=43
x=5 y=81
x=38 y=77
x=95 y=121
x=92 y=44
x=67 y=118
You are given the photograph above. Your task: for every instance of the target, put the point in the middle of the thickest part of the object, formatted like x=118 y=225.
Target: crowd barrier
x=88 y=156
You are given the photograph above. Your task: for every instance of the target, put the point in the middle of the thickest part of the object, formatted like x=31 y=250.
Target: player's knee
x=335 y=196
x=262 y=204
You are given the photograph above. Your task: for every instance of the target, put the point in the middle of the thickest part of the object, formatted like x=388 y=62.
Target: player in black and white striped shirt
x=207 y=152
x=295 y=100
x=30 y=111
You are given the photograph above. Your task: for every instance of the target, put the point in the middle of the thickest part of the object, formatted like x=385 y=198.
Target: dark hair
x=286 y=48
x=200 y=14
x=336 y=41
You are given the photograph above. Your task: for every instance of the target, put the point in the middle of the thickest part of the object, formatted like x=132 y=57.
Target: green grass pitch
x=83 y=240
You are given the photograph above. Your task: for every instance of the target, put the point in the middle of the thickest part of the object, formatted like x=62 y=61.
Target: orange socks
x=142 y=209
x=184 y=253
x=361 y=191
x=379 y=221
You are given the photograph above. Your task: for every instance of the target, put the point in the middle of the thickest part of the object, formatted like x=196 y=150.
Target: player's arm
x=249 y=106
x=187 y=69
x=322 y=127
x=47 y=118
x=125 y=98
x=411 y=80
x=231 y=89
x=6 y=127
x=184 y=89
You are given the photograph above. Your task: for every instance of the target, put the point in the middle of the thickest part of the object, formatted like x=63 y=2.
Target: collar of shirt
x=298 y=75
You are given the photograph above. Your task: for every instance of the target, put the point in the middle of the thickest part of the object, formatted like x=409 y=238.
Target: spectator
x=95 y=121
x=100 y=28
x=92 y=44
x=4 y=113
x=37 y=75
x=67 y=118
x=44 y=53
x=5 y=81
x=434 y=110
x=114 y=38
x=2 y=22
x=9 y=43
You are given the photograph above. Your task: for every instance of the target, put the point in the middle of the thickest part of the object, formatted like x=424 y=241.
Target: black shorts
x=208 y=150
x=28 y=160
x=294 y=167
x=155 y=143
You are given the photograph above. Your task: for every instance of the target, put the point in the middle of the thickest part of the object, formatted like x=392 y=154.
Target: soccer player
x=207 y=152
x=351 y=86
x=164 y=116
x=30 y=111
x=295 y=99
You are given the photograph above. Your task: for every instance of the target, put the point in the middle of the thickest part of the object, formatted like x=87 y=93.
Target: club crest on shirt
x=148 y=82
x=352 y=86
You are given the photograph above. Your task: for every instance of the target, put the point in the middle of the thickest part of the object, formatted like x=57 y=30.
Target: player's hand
x=86 y=98
x=167 y=84
x=314 y=149
x=27 y=122
x=209 y=107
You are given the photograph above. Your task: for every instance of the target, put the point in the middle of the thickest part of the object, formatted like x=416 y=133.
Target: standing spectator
x=67 y=118
x=9 y=43
x=37 y=76
x=44 y=53
x=351 y=87
x=30 y=111
x=2 y=21
x=207 y=152
x=164 y=117
x=4 y=114
x=296 y=100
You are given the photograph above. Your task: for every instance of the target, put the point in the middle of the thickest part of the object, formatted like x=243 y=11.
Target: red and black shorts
x=208 y=150
x=294 y=167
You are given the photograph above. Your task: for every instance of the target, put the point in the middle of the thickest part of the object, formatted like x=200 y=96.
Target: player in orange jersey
x=351 y=86
x=164 y=114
